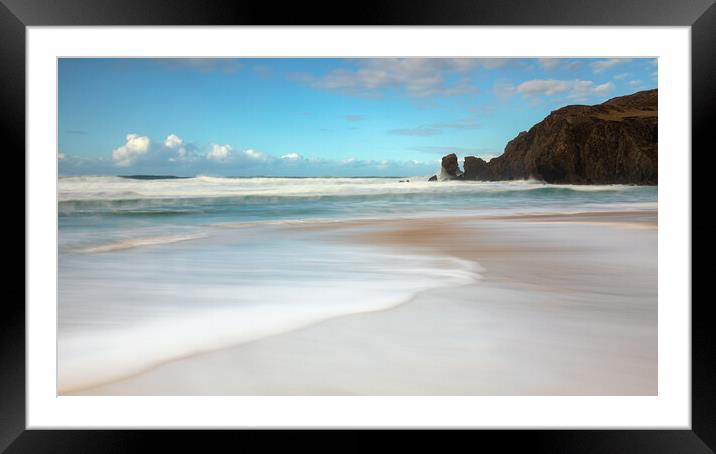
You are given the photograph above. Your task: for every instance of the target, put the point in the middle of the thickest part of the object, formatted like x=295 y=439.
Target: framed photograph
x=463 y=216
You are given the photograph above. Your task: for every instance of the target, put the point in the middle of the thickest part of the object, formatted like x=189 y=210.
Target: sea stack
x=449 y=169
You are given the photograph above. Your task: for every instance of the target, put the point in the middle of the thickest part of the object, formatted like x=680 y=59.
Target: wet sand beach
x=566 y=305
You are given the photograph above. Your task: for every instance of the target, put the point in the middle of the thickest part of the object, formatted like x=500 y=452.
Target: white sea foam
x=116 y=188
x=139 y=242
x=121 y=315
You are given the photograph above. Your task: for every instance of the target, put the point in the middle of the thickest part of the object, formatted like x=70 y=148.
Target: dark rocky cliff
x=612 y=142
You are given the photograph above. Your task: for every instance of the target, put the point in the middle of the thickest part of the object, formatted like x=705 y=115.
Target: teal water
x=104 y=207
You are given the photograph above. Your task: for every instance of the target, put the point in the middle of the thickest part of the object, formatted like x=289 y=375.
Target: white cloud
x=543 y=87
x=219 y=152
x=60 y=156
x=172 y=141
x=141 y=155
x=256 y=155
x=551 y=64
x=418 y=77
x=574 y=89
x=203 y=65
x=603 y=88
x=227 y=161
x=487 y=63
x=127 y=154
x=503 y=90
x=603 y=65
x=634 y=82
x=585 y=88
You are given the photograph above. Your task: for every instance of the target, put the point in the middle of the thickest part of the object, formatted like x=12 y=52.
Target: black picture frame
x=700 y=15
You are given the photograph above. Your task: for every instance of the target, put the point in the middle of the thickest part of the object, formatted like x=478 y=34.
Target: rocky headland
x=610 y=143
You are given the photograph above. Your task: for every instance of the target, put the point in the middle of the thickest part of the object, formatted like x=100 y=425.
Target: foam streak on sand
x=139 y=242
x=211 y=295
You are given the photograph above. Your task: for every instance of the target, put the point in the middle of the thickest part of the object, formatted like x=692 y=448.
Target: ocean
x=154 y=269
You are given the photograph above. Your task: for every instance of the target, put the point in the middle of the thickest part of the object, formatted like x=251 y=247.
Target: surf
x=223 y=291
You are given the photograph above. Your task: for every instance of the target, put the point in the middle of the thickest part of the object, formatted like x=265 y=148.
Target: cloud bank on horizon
x=314 y=117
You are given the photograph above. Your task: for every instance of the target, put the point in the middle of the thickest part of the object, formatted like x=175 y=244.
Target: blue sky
x=314 y=117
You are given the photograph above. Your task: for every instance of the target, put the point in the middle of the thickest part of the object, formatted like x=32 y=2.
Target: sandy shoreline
x=567 y=306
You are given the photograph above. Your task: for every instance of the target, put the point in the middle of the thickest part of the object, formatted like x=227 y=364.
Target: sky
x=314 y=117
